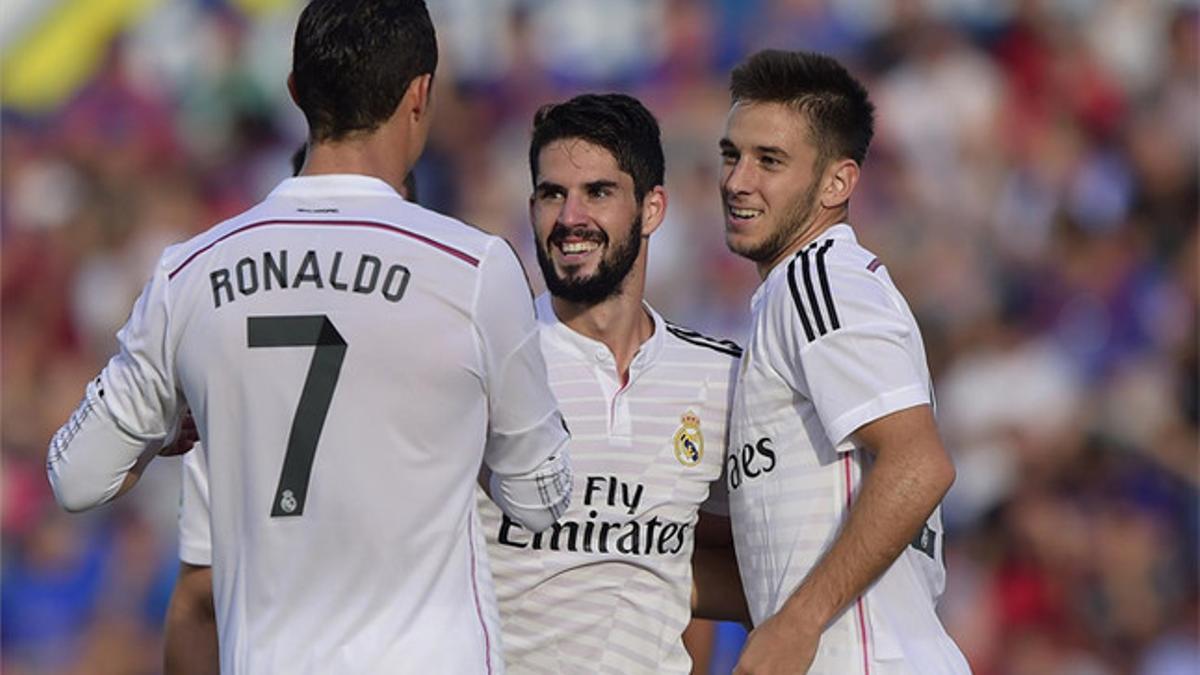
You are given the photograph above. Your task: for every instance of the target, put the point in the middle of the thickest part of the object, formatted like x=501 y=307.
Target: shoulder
x=461 y=239
x=833 y=284
x=177 y=256
x=701 y=345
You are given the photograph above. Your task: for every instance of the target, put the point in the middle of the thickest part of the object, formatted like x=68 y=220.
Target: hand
x=777 y=648
x=185 y=437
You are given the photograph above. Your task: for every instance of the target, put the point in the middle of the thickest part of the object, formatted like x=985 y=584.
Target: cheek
x=723 y=176
x=543 y=219
x=780 y=191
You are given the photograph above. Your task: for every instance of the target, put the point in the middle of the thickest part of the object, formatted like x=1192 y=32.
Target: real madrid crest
x=689 y=442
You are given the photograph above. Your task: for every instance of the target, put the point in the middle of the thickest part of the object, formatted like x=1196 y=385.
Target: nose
x=574 y=211
x=737 y=178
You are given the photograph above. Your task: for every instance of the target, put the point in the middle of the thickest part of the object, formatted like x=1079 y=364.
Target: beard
x=795 y=217
x=610 y=274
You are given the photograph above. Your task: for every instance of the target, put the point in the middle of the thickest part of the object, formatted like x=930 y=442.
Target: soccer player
x=835 y=468
x=191 y=624
x=349 y=359
x=606 y=589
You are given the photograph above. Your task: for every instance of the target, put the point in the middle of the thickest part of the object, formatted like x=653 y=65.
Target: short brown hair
x=835 y=104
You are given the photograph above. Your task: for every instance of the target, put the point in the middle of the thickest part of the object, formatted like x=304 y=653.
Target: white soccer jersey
x=608 y=588
x=833 y=346
x=349 y=358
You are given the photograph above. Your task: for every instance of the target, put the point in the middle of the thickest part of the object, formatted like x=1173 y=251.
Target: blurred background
x=1032 y=189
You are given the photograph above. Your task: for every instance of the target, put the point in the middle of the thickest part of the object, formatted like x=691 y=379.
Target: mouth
x=569 y=248
x=737 y=216
x=575 y=246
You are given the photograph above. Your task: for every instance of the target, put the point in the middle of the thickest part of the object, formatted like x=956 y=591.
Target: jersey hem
x=880 y=406
x=195 y=555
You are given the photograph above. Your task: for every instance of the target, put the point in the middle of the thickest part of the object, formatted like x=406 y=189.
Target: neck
x=382 y=154
x=620 y=322
x=805 y=235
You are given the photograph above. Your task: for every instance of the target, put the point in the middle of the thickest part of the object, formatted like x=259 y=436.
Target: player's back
x=326 y=343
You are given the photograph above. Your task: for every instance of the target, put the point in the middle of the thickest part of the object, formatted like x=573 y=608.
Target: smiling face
x=586 y=220
x=770 y=181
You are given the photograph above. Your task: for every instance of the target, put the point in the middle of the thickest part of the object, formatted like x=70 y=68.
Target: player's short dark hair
x=836 y=105
x=615 y=122
x=352 y=61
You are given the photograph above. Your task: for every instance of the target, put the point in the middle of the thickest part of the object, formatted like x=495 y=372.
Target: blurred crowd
x=1032 y=189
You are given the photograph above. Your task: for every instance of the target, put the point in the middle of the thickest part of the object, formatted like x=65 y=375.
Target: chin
x=579 y=271
x=740 y=244
x=755 y=251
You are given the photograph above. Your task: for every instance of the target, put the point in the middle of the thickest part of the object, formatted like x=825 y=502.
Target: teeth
x=744 y=213
x=579 y=246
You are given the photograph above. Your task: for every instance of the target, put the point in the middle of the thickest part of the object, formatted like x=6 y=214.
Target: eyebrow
x=546 y=185
x=726 y=144
x=771 y=150
x=603 y=183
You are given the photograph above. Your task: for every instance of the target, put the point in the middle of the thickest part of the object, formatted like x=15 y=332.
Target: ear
x=419 y=96
x=841 y=176
x=654 y=209
x=291 y=85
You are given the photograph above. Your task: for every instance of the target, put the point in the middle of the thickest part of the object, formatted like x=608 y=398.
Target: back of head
x=353 y=60
x=615 y=122
x=834 y=104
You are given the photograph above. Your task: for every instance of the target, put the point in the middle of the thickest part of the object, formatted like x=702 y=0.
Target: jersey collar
x=333 y=185
x=588 y=349
x=841 y=231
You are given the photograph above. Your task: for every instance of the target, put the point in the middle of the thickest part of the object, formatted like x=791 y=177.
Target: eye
x=729 y=156
x=599 y=192
x=769 y=162
x=549 y=193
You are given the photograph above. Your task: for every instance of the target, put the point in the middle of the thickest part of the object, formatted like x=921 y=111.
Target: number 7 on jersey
x=302 y=331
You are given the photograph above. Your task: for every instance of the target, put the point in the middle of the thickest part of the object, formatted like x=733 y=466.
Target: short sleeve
x=857 y=354
x=195 y=518
x=718 y=490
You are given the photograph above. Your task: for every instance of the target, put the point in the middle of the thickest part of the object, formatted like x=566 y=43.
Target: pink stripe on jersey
x=862 y=620
x=465 y=257
x=487 y=640
x=874 y=264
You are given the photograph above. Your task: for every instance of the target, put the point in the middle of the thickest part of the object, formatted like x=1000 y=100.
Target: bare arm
x=911 y=474
x=716 y=584
x=191 y=628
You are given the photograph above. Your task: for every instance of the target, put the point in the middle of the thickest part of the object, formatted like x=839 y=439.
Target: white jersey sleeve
x=717 y=502
x=851 y=357
x=527 y=438
x=127 y=413
x=195 y=525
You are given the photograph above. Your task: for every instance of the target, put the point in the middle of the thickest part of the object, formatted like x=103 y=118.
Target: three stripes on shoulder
x=808 y=280
x=814 y=301
x=716 y=344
